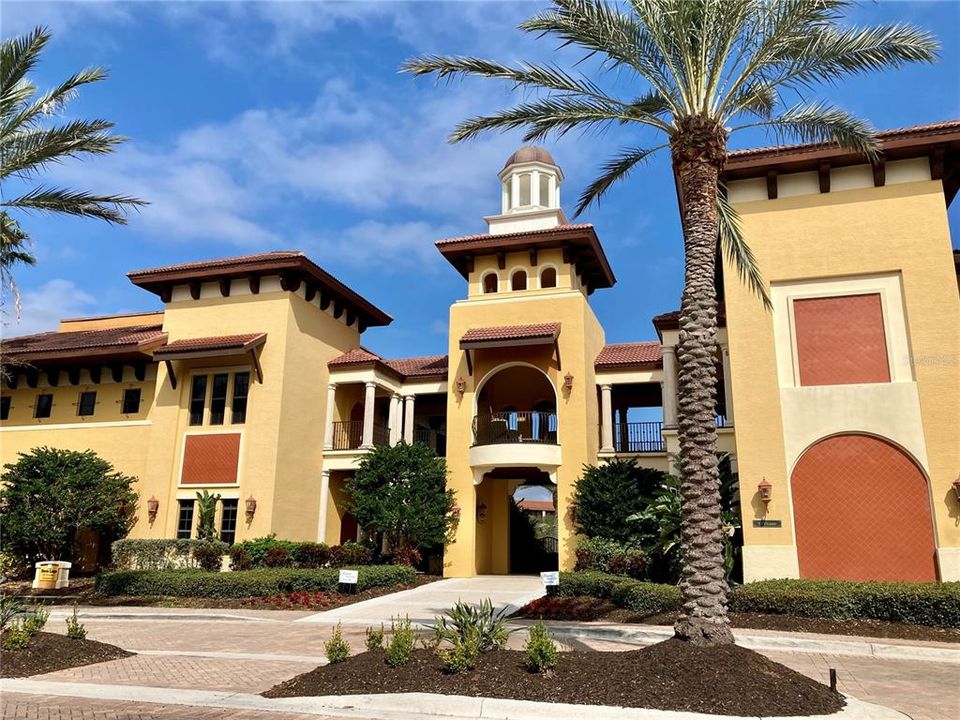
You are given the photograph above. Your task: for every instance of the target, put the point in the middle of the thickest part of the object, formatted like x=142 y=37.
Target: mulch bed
x=586 y=609
x=82 y=591
x=49 y=652
x=671 y=675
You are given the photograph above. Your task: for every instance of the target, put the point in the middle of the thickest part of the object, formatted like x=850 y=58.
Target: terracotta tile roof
x=536 y=505
x=208 y=344
x=220 y=262
x=413 y=367
x=509 y=236
x=629 y=354
x=134 y=339
x=511 y=332
x=944 y=126
x=424 y=366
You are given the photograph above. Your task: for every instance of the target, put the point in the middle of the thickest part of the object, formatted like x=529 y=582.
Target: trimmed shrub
x=262 y=582
x=462 y=656
x=38 y=621
x=401 y=642
x=934 y=604
x=240 y=558
x=406 y=556
x=17 y=636
x=541 y=651
x=162 y=554
x=75 y=628
x=611 y=557
x=277 y=557
x=310 y=555
x=336 y=648
x=258 y=547
x=349 y=554
x=209 y=555
x=375 y=638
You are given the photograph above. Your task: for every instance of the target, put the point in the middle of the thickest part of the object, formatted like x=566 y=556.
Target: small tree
x=606 y=495
x=206 y=514
x=49 y=494
x=400 y=492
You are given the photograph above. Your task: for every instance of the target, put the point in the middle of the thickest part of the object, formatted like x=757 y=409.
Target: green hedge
x=162 y=554
x=245 y=583
x=935 y=604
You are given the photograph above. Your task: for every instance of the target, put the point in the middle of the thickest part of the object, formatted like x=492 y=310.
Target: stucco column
x=331 y=414
x=369 y=397
x=395 y=419
x=606 y=419
x=727 y=386
x=324 y=500
x=669 y=385
x=408 y=401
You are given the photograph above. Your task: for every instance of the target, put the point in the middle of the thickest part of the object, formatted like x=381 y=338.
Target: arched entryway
x=861 y=509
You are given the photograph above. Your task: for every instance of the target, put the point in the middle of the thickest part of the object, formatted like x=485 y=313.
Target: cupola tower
x=530 y=193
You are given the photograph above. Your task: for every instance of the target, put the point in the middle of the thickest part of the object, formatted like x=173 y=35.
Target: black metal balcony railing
x=348 y=435
x=638 y=437
x=515 y=427
x=435 y=440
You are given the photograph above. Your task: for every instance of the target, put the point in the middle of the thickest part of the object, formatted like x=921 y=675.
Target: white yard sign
x=550 y=578
x=349 y=577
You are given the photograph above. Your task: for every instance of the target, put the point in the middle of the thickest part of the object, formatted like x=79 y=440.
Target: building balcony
x=511 y=428
x=645 y=437
x=348 y=435
x=433 y=439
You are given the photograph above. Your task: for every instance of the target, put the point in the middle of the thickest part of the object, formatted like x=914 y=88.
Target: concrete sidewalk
x=424 y=603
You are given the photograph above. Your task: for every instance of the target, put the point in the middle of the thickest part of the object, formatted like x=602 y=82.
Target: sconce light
x=765 y=489
x=568 y=381
x=251 y=507
x=153 y=505
x=481 y=512
x=572 y=509
x=461 y=387
x=455 y=511
x=956 y=488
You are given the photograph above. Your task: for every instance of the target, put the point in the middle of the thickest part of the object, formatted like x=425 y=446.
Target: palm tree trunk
x=699 y=149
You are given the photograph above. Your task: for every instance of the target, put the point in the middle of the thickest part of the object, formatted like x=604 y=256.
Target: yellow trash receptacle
x=47 y=575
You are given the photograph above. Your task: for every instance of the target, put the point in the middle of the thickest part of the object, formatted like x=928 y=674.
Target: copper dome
x=530 y=153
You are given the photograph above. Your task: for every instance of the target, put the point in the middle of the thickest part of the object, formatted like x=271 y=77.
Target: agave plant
x=473 y=623
x=691 y=73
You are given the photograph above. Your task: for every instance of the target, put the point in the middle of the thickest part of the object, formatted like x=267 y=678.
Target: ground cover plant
x=265 y=582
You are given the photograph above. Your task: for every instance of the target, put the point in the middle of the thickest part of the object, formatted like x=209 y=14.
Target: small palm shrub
x=541 y=651
x=10 y=607
x=401 y=642
x=336 y=648
x=75 y=628
x=17 y=636
x=375 y=638
x=464 y=621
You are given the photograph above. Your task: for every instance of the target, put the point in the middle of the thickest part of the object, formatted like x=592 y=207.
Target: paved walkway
x=248 y=651
x=426 y=602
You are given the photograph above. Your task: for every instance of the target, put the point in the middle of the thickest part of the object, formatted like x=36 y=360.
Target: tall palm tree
x=694 y=71
x=29 y=143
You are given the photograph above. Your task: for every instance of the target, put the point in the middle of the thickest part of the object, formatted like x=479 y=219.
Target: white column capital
x=370 y=384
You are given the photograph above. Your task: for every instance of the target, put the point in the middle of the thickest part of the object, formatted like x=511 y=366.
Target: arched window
x=544 y=190
x=518 y=281
x=525 y=189
x=490 y=283
x=548 y=277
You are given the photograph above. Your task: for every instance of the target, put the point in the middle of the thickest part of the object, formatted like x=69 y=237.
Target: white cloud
x=21 y=16
x=43 y=307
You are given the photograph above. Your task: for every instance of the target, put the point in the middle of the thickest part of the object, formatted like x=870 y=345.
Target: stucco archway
x=861 y=510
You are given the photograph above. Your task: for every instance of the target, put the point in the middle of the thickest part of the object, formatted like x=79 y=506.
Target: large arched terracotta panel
x=862 y=512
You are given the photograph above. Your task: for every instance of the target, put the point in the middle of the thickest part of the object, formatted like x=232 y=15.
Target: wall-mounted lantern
x=568 y=381
x=251 y=506
x=455 y=511
x=765 y=489
x=572 y=510
x=461 y=387
x=956 y=488
x=481 y=512
x=153 y=506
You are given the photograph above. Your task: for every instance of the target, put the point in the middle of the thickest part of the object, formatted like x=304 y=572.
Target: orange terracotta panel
x=840 y=340
x=862 y=512
x=210 y=459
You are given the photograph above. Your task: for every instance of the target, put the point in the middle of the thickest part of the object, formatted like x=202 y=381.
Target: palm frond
x=822 y=122
x=615 y=169
x=49 y=103
x=556 y=114
x=27 y=153
x=75 y=202
x=736 y=250
x=18 y=55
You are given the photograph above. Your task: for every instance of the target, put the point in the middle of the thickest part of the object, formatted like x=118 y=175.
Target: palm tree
x=28 y=144
x=694 y=71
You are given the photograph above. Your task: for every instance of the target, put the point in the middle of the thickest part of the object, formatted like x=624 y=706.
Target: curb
x=414 y=705
x=782 y=643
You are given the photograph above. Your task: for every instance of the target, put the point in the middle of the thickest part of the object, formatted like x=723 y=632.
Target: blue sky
x=282 y=125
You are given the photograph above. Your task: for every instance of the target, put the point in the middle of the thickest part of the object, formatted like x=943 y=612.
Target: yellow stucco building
x=839 y=407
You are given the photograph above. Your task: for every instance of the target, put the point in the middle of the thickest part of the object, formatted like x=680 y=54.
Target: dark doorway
x=533 y=534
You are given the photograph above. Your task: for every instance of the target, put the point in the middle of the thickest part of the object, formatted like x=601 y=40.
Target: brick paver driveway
x=250 y=651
